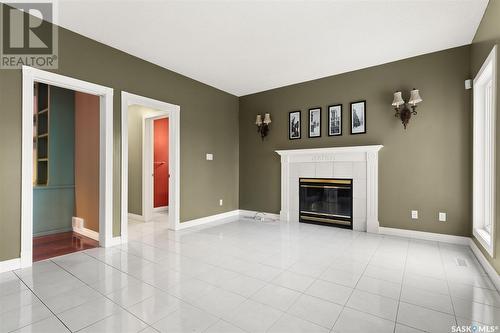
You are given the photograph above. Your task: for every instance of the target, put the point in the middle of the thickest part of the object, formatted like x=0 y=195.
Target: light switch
x=414 y=214
x=442 y=217
x=210 y=157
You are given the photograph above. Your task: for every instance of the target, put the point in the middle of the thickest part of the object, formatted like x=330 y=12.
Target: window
x=484 y=133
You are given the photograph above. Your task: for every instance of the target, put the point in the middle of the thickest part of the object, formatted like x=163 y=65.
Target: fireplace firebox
x=326 y=201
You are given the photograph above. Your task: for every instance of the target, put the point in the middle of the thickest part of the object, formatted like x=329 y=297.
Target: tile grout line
x=38 y=297
x=162 y=290
x=195 y=256
x=102 y=294
x=402 y=283
x=447 y=284
x=354 y=288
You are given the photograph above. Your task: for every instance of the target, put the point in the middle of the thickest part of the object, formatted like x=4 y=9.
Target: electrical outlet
x=221 y=202
x=210 y=157
x=414 y=214
x=442 y=217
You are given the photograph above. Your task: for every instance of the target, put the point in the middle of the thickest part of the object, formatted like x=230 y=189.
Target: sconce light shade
x=267 y=118
x=258 y=120
x=404 y=113
x=414 y=97
x=398 y=99
x=263 y=125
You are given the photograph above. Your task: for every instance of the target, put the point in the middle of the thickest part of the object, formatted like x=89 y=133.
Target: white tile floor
x=247 y=276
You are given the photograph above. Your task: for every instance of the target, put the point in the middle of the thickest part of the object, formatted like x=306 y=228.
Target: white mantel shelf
x=357 y=162
x=332 y=150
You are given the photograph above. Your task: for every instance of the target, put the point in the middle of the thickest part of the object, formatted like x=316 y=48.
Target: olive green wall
x=136 y=115
x=487 y=35
x=427 y=167
x=208 y=117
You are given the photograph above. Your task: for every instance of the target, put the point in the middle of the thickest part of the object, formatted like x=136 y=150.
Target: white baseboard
x=10 y=265
x=217 y=217
x=208 y=219
x=430 y=236
x=115 y=241
x=136 y=217
x=492 y=273
x=160 y=209
x=252 y=214
x=78 y=227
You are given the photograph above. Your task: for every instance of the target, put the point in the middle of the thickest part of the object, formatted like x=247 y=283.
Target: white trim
x=115 y=241
x=492 y=273
x=136 y=217
x=208 y=219
x=87 y=232
x=147 y=162
x=430 y=236
x=30 y=76
x=485 y=239
x=484 y=143
x=366 y=154
x=353 y=149
x=160 y=209
x=10 y=265
x=174 y=157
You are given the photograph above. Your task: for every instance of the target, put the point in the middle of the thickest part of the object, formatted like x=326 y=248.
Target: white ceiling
x=244 y=47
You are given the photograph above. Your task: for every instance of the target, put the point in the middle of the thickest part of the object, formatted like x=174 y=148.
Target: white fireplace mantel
x=357 y=162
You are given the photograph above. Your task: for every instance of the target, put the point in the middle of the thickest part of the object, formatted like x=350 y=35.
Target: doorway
x=104 y=97
x=156 y=135
x=65 y=171
x=150 y=161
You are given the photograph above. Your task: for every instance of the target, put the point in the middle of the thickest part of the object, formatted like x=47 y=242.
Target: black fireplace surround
x=326 y=201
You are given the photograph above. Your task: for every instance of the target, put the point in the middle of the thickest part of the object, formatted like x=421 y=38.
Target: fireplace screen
x=326 y=201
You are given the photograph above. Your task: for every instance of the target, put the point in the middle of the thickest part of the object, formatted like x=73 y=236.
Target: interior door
x=160 y=163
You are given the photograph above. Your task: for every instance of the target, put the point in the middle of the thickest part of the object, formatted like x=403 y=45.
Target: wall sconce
x=404 y=113
x=263 y=125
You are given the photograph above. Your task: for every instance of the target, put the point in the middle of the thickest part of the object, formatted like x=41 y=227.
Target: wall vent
x=461 y=262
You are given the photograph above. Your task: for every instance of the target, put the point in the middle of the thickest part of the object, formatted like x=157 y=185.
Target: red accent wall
x=160 y=167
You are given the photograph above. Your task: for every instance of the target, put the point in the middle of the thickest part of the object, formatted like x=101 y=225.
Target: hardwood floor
x=50 y=246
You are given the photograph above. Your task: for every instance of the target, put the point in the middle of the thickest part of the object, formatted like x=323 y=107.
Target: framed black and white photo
x=335 y=120
x=314 y=123
x=294 y=125
x=358 y=117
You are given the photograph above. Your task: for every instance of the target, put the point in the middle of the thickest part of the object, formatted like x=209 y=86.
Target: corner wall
x=427 y=167
x=54 y=204
x=136 y=115
x=87 y=134
x=208 y=121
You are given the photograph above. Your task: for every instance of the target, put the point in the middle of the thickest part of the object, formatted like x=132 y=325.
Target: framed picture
x=294 y=125
x=358 y=117
x=335 y=120
x=314 y=123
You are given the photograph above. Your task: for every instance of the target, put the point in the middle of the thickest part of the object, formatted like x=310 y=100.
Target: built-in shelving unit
x=41 y=118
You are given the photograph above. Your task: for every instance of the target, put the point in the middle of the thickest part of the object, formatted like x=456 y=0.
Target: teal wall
x=54 y=205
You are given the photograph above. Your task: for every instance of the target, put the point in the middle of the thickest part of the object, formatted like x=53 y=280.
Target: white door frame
x=147 y=163
x=173 y=113
x=30 y=76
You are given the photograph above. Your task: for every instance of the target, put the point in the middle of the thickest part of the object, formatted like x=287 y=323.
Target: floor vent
x=461 y=262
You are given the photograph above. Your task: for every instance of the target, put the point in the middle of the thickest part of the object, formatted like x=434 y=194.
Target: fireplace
x=326 y=201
